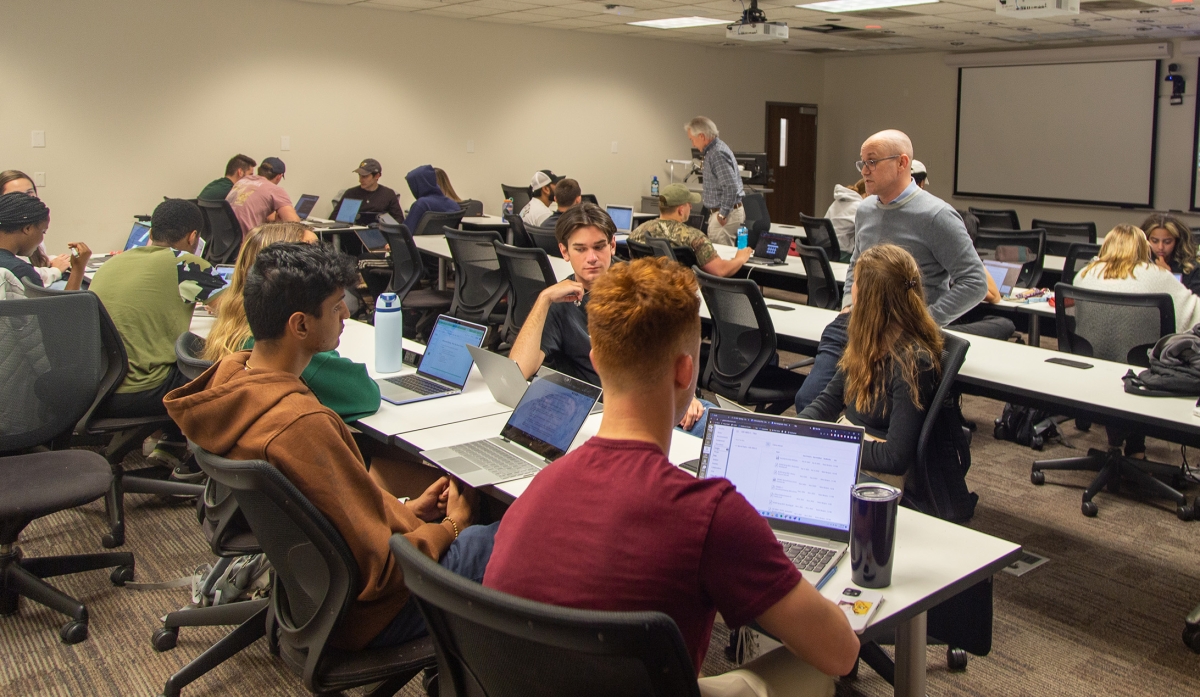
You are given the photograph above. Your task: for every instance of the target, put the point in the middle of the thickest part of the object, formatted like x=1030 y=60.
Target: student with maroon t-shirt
x=614 y=526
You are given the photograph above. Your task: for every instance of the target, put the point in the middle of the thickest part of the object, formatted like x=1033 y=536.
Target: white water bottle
x=389 y=334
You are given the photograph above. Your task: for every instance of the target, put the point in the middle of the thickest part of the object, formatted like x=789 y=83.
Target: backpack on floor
x=1025 y=426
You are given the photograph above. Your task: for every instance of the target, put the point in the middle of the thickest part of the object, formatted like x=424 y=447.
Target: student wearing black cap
x=258 y=198
x=376 y=198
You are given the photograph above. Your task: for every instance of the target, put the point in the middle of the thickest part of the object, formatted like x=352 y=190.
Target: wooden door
x=792 y=154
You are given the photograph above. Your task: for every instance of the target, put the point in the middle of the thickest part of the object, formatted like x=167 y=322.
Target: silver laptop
x=622 y=217
x=539 y=431
x=1004 y=273
x=444 y=367
x=797 y=473
x=502 y=375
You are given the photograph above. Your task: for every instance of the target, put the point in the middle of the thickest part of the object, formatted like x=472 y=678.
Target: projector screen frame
x=1195 y=149
x=1149 y=203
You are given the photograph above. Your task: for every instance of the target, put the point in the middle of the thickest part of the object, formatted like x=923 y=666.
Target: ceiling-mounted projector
x=753 y=26
x=1037 y=8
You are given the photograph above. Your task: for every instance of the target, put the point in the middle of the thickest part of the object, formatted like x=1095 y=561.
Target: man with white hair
x=722 y=184
x=898 y=211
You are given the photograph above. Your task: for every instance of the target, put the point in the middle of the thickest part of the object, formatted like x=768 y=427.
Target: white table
x=439 y=247
x=792 y=266
x=484 y=222
x=320 y=227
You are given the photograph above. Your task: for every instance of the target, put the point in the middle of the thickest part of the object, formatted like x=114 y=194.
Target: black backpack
x=1025 y=426
x=941 y=490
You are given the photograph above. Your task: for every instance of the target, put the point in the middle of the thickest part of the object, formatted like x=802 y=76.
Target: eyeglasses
x=870 y=164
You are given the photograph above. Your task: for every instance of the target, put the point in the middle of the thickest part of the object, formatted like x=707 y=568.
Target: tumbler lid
x=876 y=492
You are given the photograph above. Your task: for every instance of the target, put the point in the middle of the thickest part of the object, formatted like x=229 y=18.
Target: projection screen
x=1071 y=133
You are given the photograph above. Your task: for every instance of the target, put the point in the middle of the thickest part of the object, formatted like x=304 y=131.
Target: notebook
x=444 y=367
x=798 y=474
x=622 y=217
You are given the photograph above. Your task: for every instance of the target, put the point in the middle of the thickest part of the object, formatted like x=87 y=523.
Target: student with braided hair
x=24 y=220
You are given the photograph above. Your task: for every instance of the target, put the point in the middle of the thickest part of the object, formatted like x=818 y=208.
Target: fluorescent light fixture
x=856 y=5
x=680 y=22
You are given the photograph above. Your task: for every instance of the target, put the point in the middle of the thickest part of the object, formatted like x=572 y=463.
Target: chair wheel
x=429 y=681
x=164 y=639
x=1038 y=477
x=73 y=632
x=1000 y=432
x=1036 y=442
x=956 y=659
x=1191 y=637
x=114 y=538
x=121 y=575
x=1089 y=509
x=9 y=601
x=1185 y=512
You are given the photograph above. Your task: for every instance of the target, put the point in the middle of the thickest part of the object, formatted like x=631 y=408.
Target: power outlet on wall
x=470 y=146
x=285 y=143
x=614 y=147
x=38 y=139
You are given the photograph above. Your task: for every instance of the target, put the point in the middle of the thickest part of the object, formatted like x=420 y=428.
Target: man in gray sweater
x=898 y=211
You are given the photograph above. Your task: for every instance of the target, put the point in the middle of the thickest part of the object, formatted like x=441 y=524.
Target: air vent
x=818 y=50
x=1113 y=5
x=883 y=13
x=829 y=29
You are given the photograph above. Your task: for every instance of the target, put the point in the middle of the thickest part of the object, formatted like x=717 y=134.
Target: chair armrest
x=799 y=364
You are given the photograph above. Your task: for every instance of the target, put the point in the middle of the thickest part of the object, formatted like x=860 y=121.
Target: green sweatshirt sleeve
x=342 y=385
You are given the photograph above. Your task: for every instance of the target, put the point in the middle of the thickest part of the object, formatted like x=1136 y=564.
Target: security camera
x=1178 y=84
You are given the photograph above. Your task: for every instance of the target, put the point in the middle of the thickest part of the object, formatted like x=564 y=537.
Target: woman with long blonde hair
x=339 y=383
x=890 y=368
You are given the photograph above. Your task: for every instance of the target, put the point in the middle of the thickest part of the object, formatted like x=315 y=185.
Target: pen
x=825 y=579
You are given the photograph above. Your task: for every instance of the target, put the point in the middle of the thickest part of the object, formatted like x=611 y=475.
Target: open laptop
x=505 y=379
x=771 y=250
x=444 y=367
x=372 y=239
x=225 y=271
x=347 y=213
x=1004 y=273
x=798 y=474
x=539 y=431
x=305 y=205
x=138 y=237
x=622 y=217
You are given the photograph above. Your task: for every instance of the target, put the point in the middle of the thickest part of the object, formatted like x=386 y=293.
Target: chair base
x=164 y=639
x=21 y=577
x=1112 y=469
x=249 y=631
x=1191 y=631
x=148 y=480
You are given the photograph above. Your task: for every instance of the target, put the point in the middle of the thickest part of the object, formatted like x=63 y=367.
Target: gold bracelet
x=453 y=525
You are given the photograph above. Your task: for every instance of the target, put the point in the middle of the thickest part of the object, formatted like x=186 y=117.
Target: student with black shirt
x=376 y=198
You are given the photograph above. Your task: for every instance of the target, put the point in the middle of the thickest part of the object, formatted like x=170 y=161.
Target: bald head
x=892 y=142
x=892 y=151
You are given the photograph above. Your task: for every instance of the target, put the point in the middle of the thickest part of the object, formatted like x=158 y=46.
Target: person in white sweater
x=846 y=200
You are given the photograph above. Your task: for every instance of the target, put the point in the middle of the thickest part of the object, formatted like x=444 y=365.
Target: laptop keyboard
x=496 y=460
x=418 y=384
x=807 y=557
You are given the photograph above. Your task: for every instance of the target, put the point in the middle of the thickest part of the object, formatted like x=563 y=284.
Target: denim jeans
x=829 y=352
x=468 y=557
x=697 y=428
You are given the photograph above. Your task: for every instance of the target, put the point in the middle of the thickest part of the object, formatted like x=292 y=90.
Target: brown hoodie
x=246 y=414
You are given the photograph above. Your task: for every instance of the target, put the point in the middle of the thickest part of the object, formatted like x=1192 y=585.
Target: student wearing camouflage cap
x=674 y=208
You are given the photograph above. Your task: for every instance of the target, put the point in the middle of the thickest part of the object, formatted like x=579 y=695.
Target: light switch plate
x=39 y=178
x=38 y=139
x=470 y=146
x=614 y=147
x=285 y=143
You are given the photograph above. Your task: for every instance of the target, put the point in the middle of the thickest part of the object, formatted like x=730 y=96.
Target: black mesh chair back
x=52 y=366
x=660 y=247
x=743 y=335
x=637 y=250
x=528 y=273
x=1004 y=219
x=491 y=644
x=478 y=283
x=432 y=223
x=543 y=238
x=1120 y=327
x=971 y=222
x=1060 y=236
x=954 y=352
x=758 y=218
x=1077 y=257
x=821 y=234
x=518 y=236
x=822 y=286
x=188 y=351
x=35 y=291
x=471 y=208
x=407 y=269
x=224 y=232
x=520 y=196
x=1025 y=246
x=590 y=198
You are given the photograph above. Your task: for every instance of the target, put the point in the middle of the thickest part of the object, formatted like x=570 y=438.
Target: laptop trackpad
x=458 y=465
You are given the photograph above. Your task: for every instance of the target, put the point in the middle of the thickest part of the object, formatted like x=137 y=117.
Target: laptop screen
x=225 y=271
x=550 y=414
x=348 y=210
x=622 y=217
x=797 y=473
x=772 y=246
x=1004 y=273
x=305 y=205
x=372 y=239
x=446 y=356
x=138 y=237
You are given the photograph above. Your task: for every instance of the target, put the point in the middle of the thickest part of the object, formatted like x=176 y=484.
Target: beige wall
x=142 y=99
x=917 y=93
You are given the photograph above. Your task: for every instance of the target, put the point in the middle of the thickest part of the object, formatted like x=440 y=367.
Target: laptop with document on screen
x=444 y=366
x=798 y=474
x=539 y=431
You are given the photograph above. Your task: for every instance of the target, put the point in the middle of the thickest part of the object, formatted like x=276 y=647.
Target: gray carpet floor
x=1104 y=616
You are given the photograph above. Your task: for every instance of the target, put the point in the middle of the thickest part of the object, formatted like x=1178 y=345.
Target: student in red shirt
x=614 y=526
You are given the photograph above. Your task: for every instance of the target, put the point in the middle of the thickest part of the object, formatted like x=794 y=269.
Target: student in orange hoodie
x=253 y=405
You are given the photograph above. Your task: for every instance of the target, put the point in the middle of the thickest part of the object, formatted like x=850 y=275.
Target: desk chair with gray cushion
x=823 y=290
x=1118 y=327
x=1078 y=256
x=527 y=273
x=315 y=583
x=820 y=233
x=407 y=273
x=188 y=351
x=544 y=239
x=758 y=218
x=479 y=286
x=491 y=644
x=432 y=222
x=51 y=366
x=520 y=196
x=1028 y=247
x=1001 y=219
x=743 y=363
x=1060 y=236
x=516 y=232
x=223 y=232
x=471 y=208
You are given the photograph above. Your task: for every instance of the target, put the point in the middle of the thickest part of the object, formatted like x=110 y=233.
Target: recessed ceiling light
x=679 y=22
x=856 y=5
x=873 y=26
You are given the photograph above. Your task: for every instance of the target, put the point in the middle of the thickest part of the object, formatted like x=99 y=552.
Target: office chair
x=407 y=273
x=432 y=223
x=930 y=490
x=314 y=586
x=543 y=238
x=1025 y=246
x=970 y=221
x=758 y=218
x=1119 y=327
x=590 y=198
x=1002 y=219
x=224 y=233
x=527 y=273
x=1191 y=630
x=742 y=362
x=188 y=351
x=479 y=285
x=820 y=233
x=52 y=368
x=520 y=196
x=491 y=644
x=663 y=248
x=471 y=208
x=517 y=236
x=1060 y=236
x=1078 y=256
x=823 y=290
x=638 y=250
